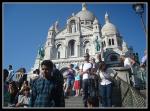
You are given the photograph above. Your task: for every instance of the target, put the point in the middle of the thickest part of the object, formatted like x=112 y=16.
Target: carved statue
x=97 y=44
x=41 y=52
x=73 y=28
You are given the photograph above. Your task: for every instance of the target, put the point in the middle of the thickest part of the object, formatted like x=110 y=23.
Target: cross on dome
x=107 y=18
x=84 y=7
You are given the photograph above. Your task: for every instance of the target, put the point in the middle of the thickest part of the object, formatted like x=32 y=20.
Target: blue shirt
x=43 y=93
x=70 y=75
x=77 y=77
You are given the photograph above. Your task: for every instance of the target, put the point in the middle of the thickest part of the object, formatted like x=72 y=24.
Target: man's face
x=86 y=58
x=122 y=58
x=69 y=66
x=46 y=71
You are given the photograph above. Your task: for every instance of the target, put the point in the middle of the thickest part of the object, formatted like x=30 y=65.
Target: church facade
x=83 y=34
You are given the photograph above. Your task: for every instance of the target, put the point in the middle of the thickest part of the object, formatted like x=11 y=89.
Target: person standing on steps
x=85 y=69
x=43 y=88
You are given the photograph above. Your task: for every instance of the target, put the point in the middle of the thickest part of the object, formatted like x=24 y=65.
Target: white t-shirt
x=94 y=65
x=104 y=76
x=23 y=99
x=127 y=63
x=144 y=59
x=85 y=67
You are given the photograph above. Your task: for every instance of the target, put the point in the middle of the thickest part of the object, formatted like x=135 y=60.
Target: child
x=25 y=83
x=77 y=82
x=23 y=100
x=70 y=80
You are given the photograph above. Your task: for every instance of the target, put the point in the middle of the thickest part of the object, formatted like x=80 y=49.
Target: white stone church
x=83 y=33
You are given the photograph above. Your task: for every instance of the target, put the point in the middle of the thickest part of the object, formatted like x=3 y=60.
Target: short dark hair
x=91 y=101
x=13 y=83
x=48 y=63
x=34 y=72
x=26 y=88
x=72 y=65
x=10 y=66
x=77 y=67
x=101 y=65
x=23 y=70
x=86 y=55
x=37 y=71
x=5 y=71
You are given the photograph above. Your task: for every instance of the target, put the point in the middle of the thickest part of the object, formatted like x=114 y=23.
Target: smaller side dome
x=95 y=21
x=51 y=28
x=108 y=28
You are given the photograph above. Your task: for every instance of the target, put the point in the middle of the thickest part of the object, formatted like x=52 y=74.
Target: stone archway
x=86 y=47
x=71 y=47
x=112 y=58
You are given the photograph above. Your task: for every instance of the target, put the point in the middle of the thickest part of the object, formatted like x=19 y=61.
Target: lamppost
x=139 y=9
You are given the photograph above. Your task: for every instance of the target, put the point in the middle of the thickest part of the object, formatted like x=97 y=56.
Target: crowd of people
x=45 y=90
x=49 y=88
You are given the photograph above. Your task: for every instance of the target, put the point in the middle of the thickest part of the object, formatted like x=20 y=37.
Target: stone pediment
x=61 y=34
x=86 y=30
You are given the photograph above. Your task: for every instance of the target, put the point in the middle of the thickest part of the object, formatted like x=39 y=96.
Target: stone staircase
x=74 y=102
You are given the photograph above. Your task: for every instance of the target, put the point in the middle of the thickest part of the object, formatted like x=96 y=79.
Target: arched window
x=112 y=41
x=82 y=22
x=109 y=42
x=72 y=47
x=59 y=49
x=73 y=26
x=87 y=51
x=48 y=43
x=113 y=58
x=86 y=47
x=58 y=55
x=104 y=44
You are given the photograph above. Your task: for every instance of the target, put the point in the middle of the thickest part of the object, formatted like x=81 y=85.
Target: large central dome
x=85 y=14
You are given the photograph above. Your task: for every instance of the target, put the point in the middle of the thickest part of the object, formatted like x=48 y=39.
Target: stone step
x=72 y=101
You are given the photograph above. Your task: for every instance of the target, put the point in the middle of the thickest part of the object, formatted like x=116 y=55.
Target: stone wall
x=130 y=97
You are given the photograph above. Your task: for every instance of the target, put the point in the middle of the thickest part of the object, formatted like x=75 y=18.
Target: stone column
x=66 y=51
x=78 y=50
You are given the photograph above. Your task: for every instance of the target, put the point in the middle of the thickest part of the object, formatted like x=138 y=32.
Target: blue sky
x=25 y=27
